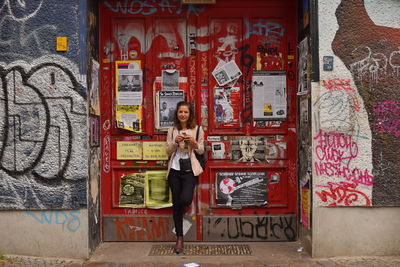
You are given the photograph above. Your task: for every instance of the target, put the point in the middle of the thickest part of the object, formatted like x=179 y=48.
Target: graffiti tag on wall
x=387 y=117
x=69 y=219
x=145 y=7
x=262 y=228
x=342 y=194
x=334 y=153
x=42 y=130
x=145 y=228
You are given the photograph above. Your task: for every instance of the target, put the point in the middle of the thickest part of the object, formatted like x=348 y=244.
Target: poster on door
x=269 y=95
x=238 y=189
x=158 y=194
x=129 y=117
x=227 y=106
x=166 y=102
x=129 y=95
x=225 y=73
x=129 y=83
x=132 y=190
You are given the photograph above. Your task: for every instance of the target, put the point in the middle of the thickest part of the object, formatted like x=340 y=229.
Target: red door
x=236 y=62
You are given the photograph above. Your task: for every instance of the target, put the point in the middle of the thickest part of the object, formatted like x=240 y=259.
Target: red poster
x=227 y=106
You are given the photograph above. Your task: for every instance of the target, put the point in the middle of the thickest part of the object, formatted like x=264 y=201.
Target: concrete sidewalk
x=137 y=253
x=263 y=254
x=124 y=254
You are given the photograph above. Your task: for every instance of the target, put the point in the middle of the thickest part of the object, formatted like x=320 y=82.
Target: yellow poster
x=158 y=194
x=129 y=117
x=305 y=207
x=155 y=151
x=127 y=150
x=129 y=95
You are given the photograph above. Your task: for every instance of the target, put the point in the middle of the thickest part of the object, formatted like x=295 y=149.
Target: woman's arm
x=171 y=144
x=200 y=141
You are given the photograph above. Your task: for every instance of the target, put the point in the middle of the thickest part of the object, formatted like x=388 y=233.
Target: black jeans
x=182 y=186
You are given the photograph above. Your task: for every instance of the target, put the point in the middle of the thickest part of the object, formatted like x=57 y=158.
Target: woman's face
x=183 y=113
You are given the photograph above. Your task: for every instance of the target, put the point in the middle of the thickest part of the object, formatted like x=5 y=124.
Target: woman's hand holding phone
x=179 y=138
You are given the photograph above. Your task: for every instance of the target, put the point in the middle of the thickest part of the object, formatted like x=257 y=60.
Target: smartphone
x=186 y=143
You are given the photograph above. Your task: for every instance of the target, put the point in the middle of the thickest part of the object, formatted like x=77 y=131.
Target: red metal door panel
x=225 y=41
x=258 y=36
x=127 y=44
x=169 y=44
x=268 y=37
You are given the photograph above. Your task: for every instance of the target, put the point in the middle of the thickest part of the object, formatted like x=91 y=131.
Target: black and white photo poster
x=129 y=83
x=235 y=189
x=166 y=105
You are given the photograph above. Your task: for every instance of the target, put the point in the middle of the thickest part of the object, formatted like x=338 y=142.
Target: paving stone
x=229 y=265
x=96 y=264
x=300 y=262
x=253 y=264
x=209 y=264
x=326 y=262
x=142 y=265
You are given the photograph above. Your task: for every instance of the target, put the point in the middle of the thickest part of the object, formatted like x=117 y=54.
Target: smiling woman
x=183 y=167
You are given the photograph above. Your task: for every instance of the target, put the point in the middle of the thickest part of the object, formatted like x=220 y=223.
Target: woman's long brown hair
x=191 y=123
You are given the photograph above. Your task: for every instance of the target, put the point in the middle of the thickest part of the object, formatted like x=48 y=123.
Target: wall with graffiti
x=43 y=157
x=51 y=233
x=356 y=111
x=43 y=128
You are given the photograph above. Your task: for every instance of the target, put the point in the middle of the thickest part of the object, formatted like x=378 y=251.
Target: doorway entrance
x=235 y=61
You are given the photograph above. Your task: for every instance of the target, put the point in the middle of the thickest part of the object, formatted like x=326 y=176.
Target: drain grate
x=202 y=250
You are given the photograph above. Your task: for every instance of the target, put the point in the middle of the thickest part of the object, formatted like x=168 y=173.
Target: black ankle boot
x=179 y=245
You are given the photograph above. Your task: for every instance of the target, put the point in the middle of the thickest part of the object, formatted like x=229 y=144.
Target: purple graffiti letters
x=335 y=147
x=387 y=117
x=334 y=152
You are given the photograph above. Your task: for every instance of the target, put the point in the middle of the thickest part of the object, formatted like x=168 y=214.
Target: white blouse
x=179 y=155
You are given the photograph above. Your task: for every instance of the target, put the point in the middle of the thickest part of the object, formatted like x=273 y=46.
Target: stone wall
x=43 y=128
